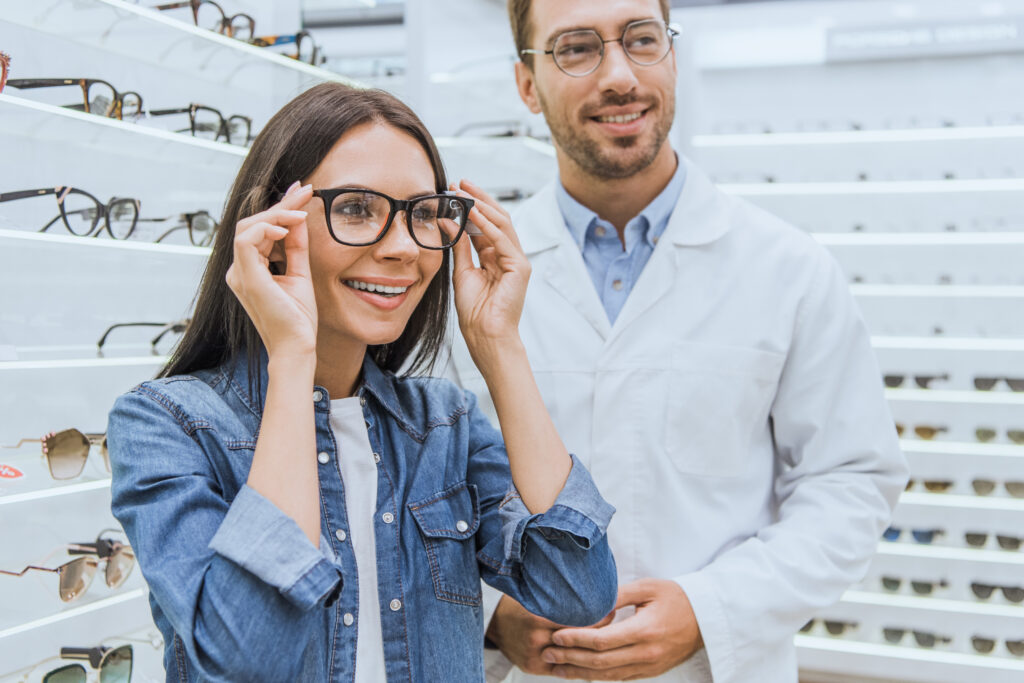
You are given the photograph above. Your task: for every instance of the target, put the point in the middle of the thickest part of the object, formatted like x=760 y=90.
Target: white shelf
x=56 y=491
x=991 y=399
x=491 y=162
x=139 y=33
x=919 y=240
x=860 y=137
x=895 y=187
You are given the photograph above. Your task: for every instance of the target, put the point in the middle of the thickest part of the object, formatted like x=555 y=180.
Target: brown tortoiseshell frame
x=5 y=68
x=116 y=106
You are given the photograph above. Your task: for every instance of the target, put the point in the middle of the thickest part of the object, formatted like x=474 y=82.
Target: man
x=704 y=359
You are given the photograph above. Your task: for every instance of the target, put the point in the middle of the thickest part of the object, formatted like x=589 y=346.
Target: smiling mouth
x=624 y=118
x=382 y=290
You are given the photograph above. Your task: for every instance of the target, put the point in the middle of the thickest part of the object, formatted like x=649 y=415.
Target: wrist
x=491 y=353
x=292 y=366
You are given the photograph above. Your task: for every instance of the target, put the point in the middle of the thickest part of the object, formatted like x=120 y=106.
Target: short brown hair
x=522 y=31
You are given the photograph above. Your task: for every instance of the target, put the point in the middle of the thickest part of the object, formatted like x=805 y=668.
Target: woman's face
x=377 y=157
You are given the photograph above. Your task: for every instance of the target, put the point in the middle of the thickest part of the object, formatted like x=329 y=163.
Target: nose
x=616 y=71
x=397 y=244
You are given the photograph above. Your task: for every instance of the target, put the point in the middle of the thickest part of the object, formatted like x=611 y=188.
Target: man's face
x=612 y=122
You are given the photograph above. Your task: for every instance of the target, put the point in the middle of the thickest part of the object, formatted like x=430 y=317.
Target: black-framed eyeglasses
x=211 y=16
x=5 y=68
x=210 y=124
x=175 y=327
x=98 y=96
x=359 y=218
x=578 y=53
x=305 y=49
x=113 y=663
x=201 y=227
x=81 y=212
x=922 y=638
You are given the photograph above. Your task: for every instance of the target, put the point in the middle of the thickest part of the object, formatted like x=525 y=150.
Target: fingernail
x=298 y=214
x=557 y=639
x=307 y=187
x=291 y=188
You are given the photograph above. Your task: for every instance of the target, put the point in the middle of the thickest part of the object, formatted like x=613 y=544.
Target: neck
x=618 y=200
x=338 y=370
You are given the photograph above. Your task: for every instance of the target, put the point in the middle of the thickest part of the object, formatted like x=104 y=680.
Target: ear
x=527 y=87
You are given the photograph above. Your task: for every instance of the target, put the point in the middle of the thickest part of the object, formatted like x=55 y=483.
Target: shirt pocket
x=719 y=399
x=448 y=522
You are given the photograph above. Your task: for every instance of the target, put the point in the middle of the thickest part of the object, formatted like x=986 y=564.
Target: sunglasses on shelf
x=924 y=639
x=5 y=68
x=176 y=327
x=305 y=49
x=67 y=451
x=985 y=646
x=75 y=576
x=978 y=539
x=114 y=665
x=927 y=432
x=208 y=123
x=923 y=536
x=985 y=487
x=931 y=485
x=986 y=434
x=989 y=383
x=200 y=225
x=82 y=212
x=984 y=591
x=211 y=16
x=893 y=584
x=922 y=381
x=833 y=627
x=98 y=96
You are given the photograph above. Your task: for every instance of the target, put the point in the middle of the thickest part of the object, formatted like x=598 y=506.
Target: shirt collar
x=578 y=218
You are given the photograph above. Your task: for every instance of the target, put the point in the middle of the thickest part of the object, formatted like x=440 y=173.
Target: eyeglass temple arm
x=94 y=655
x=103 y=339
x=164 y=112
x=175 y=5
x=176 y=228
x=29 y=568
x=23 y=441
x=27 y=83
x=25 y=194
x=176 y=326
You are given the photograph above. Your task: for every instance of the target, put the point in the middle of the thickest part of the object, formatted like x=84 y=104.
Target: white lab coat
x=733 y=414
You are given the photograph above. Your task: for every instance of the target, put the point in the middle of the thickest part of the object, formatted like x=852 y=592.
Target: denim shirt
x=241 y=594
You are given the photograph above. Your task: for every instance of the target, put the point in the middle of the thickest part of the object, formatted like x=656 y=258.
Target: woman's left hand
x=489 y=298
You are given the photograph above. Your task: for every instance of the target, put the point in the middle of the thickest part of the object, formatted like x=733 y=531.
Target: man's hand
x=660 y=636
x=521 y=636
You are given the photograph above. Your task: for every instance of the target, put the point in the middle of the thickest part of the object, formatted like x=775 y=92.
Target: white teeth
x=379 y=289
x=620 y=119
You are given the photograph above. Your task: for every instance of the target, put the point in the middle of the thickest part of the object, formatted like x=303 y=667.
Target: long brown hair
x=290 y=147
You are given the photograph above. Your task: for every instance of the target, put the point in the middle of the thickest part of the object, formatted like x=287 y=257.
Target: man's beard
x=589 y=155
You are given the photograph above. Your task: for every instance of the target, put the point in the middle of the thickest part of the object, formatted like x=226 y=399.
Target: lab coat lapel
x=560 y=266
x=701 y=216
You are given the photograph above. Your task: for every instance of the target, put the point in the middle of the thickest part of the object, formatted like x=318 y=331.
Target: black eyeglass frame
x=395 y=205
x=115 y=111
x=177 y=327
x=315 y=58
x=102 y=211
x=223 y=130
x=187 y=221
x=672 y=31
x=226 y=25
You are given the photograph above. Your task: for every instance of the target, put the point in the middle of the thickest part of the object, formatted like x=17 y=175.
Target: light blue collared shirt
x=615 y=270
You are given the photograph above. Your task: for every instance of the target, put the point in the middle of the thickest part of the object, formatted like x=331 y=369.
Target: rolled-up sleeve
x=261 y=539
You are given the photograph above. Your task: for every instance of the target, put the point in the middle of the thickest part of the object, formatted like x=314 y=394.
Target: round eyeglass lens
x=119 y=566
x=121 y=216
x=101 y=99
x=306 y=48
x=209 y=16
x=437 y=221
x=207 y=124
x=131 y=105
x=238 y=130
x=646 y=42
x=80 y=212
x=73 y=673
x=75 y=577
x=201 y=228
x=117 y=665
x=356 y=218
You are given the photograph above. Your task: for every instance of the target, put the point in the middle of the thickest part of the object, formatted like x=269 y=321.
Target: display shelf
x=958 y=567
x=872 y=188
x=38 y=121
x=90 y=284
x=142 y=34
x=819 y=656
x=28 y=643
x=960 y=413
x=932 y=310
x=55 y=491
x=955 y=362
x=958 y=514
x=491 y=162
x=964 y=462
x=916 y=154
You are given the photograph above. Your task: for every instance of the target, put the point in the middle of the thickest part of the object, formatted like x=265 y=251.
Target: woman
x=302 y=513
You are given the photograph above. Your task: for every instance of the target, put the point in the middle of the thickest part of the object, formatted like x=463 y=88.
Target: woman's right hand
x=282 y=307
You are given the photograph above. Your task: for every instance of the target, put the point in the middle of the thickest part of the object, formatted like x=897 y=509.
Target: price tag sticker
x=8 y=472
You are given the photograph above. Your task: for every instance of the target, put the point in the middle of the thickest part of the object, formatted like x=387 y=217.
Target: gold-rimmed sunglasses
x=75 y=576
x=67 y=451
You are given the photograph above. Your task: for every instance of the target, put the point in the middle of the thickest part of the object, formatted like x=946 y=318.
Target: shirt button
x=600 y=231
x=461 y=525
x=318 y=396
x=388 y=517
x=323 y=458
x=362 y=401
x=396 y=605
x=376 y=457
x=617 y=285
x=348 y=619
x=654 y=239
x=341 y=535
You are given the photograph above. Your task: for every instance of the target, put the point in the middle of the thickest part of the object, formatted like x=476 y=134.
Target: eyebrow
x=550 y=40
x=358 y=186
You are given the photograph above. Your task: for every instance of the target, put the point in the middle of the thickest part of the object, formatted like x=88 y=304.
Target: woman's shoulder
x=187 y=397
x=427 y=402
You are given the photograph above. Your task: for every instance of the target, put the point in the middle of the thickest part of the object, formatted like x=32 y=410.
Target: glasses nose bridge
x=398 y=206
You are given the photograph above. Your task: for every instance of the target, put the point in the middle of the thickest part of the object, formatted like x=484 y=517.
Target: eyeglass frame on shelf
x=223 y=130
x=175 y=326
x=315 y=59
x=226 y=25
x=187 y=221
x=5 y=69
x=102 y=210
x=672 y=30
x=91 y=439
x=328 y=196
x=115 y=111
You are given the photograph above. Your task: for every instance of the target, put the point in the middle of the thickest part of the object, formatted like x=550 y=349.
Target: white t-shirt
x=359 y=476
